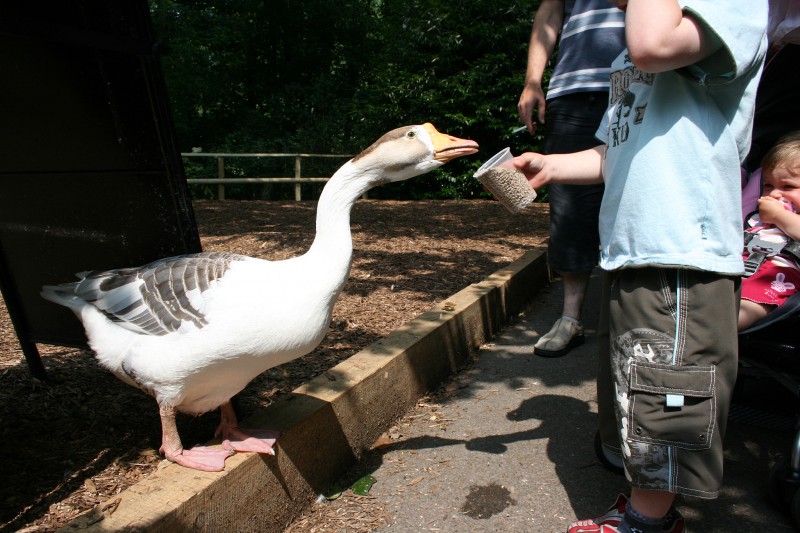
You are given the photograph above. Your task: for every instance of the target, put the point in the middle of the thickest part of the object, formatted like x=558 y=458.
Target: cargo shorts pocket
x=672 y=405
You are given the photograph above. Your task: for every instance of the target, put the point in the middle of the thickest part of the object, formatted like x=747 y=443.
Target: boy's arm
x=660 y=37
x=579 y=168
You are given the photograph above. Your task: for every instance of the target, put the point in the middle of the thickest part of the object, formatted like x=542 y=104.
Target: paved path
x=508 y=447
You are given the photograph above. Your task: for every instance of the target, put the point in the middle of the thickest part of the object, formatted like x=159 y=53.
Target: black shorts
x=572 y=121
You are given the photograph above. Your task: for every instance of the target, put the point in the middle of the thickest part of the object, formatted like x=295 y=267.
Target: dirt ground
x=82 y=437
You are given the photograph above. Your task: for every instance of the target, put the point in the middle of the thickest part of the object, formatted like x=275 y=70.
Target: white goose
x=194 y=330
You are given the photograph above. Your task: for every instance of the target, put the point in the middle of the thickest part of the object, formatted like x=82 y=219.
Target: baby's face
x=783 y=182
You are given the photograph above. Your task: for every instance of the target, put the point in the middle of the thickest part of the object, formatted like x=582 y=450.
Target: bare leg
x=651 y=503
x=200 y=457
x=252 y=440
x=751 y=312
x=575 y=285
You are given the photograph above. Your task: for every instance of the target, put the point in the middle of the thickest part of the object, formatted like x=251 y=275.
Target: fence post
x=297 y=174
x=221 y=175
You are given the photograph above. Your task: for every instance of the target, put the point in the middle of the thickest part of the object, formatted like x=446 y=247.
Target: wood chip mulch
x=82 y=437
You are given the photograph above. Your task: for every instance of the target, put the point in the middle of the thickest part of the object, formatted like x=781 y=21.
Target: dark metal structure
x=90 y=175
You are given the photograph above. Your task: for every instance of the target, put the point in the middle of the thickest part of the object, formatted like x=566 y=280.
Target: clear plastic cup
x=508 y=185
x=503 y=156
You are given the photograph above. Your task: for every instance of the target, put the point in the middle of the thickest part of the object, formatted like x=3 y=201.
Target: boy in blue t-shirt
x=675 y=133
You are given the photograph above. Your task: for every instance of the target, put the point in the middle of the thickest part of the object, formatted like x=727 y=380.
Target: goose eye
x=411 y=134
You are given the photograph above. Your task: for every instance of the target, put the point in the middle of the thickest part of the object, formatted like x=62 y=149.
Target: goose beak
x=447 y=147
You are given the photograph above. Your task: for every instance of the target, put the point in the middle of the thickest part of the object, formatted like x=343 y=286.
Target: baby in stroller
x=769 y=314
x=772 y=253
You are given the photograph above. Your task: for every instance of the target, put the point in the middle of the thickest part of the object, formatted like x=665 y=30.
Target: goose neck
x=334 y=207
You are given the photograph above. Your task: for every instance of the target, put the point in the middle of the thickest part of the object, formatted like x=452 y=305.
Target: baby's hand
x=769 y=209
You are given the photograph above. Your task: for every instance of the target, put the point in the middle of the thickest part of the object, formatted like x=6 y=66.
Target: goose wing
x=157 y=298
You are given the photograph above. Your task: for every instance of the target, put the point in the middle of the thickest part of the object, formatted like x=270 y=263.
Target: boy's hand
x=532 y=166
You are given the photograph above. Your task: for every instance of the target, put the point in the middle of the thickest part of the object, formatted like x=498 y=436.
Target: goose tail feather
x=63 y=294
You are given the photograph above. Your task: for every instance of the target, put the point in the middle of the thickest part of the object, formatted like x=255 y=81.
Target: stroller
x=770 y=348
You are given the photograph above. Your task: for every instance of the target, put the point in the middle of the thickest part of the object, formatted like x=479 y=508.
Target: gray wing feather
x=159 y=297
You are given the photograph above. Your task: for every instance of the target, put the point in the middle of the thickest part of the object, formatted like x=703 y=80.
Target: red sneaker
x=607 y=523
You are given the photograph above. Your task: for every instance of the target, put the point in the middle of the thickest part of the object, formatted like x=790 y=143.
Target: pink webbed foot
x=251 y=440
x=201 y=458
x=240 y=440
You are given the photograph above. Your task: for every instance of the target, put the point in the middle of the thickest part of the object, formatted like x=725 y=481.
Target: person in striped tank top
x=589 y=34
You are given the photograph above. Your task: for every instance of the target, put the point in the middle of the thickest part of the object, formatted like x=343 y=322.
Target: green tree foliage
x=331 y=77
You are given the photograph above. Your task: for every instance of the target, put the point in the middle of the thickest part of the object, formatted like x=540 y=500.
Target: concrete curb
x=328 y=423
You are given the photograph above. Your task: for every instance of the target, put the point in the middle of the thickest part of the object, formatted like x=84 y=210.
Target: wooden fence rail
x=220 y=180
